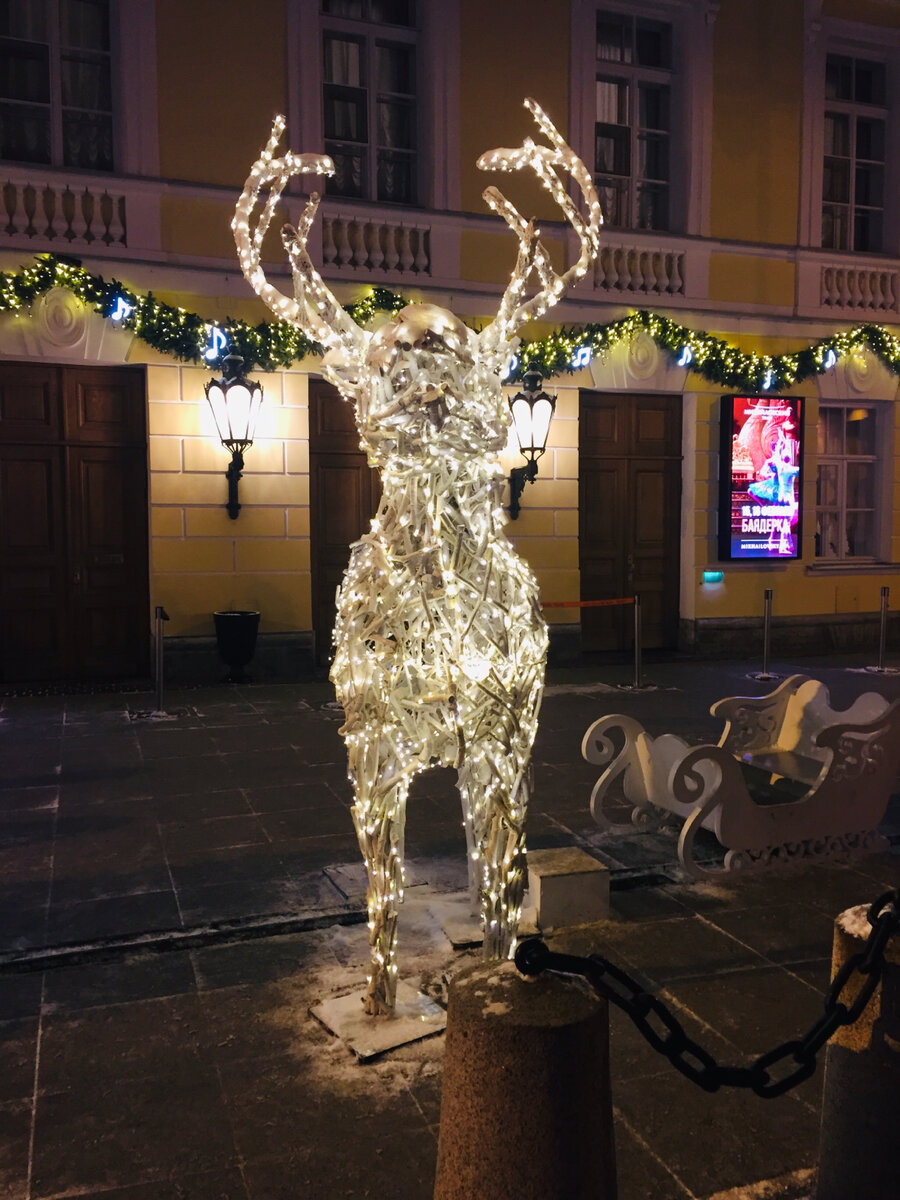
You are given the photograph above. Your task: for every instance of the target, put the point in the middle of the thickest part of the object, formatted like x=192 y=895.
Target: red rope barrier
x=586 y=603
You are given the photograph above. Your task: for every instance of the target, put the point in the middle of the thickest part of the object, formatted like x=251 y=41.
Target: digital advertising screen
x=760 y=477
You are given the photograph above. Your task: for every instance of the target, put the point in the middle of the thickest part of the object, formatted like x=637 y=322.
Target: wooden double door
x=344 y=493
x=74 y=600
x=629 y=516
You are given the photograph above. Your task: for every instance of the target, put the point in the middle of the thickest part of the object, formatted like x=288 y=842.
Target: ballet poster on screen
x=759 y=505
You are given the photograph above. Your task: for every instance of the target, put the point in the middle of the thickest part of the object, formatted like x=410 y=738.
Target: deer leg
x=494 y=791
x=379 y=815
x=472 y=857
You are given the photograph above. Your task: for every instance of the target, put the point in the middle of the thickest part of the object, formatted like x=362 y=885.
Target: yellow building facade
x=745 y=153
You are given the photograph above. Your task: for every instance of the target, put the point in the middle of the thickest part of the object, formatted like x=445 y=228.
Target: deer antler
x=314 y=310
x=533 y=257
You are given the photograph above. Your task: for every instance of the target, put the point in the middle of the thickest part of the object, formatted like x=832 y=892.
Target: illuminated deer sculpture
x=440 y=644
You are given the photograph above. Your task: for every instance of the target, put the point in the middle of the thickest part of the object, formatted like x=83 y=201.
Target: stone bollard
x=859 y=1151
x=526 y=1111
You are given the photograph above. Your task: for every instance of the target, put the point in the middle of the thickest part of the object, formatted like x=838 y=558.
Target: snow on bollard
x=859 y=1152
x=526 y=1111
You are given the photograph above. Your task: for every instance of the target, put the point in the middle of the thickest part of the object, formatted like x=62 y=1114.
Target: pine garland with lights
x=189 y=337
x=710 y=357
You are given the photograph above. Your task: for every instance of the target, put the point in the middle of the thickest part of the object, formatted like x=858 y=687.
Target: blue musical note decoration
x=510 y=367
x=217 y=343
x=122 y=310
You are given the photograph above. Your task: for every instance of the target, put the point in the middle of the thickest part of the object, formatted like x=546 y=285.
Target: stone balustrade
x=875 y=290
x=636 y=270
x=376 y=245
x=60 y=215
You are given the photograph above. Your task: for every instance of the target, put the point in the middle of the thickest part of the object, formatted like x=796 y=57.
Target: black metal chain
x=665 y=1033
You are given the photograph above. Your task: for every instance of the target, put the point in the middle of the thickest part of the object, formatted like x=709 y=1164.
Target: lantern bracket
x=233 y=474
x=517 y=479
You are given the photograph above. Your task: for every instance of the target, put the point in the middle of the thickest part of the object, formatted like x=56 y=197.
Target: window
x=55 y=85
x=847 y=482
x=633 y=120
x=854 y=144
x=369 y=93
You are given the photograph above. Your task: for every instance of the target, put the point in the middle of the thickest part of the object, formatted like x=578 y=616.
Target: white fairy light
x=440 y=644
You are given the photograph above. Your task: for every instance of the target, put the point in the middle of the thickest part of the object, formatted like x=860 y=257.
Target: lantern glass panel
x=521 y=412
x=541 y=415
x=238 y=400
x=216 y=398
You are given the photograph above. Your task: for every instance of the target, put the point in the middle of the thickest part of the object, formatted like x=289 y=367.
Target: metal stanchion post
x=161 y=616
x=765 y=674
x=637 y=640
x=882 y=633
x=767 y=618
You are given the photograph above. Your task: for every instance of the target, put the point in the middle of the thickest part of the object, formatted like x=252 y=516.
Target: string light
x=440 y=643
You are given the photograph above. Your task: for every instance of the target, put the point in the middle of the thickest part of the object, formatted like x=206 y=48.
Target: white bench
x=790 y=777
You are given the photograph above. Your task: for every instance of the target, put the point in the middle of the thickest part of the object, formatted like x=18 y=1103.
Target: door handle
x=76 y=575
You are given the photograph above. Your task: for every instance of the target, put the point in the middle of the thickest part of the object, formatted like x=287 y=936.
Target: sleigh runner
x=789 y=778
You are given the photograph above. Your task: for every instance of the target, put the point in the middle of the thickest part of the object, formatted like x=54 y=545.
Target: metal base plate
x=415 y=1017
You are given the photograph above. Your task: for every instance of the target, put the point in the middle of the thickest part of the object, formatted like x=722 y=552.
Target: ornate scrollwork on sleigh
x=790 y=778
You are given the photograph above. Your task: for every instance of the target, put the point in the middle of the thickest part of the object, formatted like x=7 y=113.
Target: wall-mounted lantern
x=532 y=412
x=235 y=401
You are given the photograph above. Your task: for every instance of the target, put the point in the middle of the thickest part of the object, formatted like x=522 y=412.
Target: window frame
x=690 y=114
x=852 y=112
x=635 y=76
x=437 y=97
x=880 y=505
x=369 y=36
x=55 y=107
x=849 y=39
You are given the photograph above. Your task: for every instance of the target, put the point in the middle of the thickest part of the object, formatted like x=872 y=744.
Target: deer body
x=440 y=644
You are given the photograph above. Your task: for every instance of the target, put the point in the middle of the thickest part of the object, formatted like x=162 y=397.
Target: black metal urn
x=236 y=631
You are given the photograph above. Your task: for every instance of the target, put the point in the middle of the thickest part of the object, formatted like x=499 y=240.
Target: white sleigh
x=789 y=778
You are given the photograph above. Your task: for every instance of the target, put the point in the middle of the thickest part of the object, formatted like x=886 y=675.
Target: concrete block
x=567 y=887
x=463 y=933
